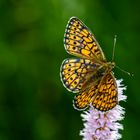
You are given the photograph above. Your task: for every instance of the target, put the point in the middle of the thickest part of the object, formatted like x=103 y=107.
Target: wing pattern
x=80 y=42
x=75 y=72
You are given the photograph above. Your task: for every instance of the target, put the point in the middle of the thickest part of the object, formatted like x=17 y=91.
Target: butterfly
x=89 y=74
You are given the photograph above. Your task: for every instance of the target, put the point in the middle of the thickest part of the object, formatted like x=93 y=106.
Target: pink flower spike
x=104 y=125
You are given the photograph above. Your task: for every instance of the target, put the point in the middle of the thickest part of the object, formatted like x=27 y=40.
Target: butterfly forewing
x=79 y=41
x=107 y=95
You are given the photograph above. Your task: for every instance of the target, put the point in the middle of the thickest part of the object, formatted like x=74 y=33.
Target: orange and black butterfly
x=88 y=74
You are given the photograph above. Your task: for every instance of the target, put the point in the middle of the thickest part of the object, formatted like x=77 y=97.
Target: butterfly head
x=111 y=65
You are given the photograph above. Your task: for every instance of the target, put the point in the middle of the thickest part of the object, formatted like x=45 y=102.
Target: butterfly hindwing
x=82 y=100
x=79 y=41
x=74 y=72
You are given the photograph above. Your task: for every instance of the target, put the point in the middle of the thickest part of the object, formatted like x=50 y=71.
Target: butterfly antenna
x=115 y=38
x=130 y=74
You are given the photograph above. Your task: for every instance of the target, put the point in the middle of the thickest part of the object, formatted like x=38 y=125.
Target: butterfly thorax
x=104 y=68
x=97 y=75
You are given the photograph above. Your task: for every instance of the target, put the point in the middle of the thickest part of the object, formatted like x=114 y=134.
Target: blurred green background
x=34 y=105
